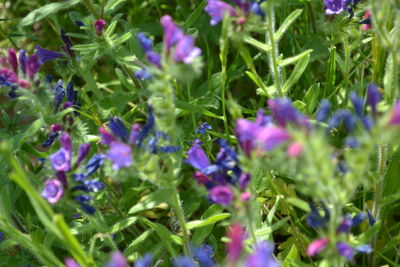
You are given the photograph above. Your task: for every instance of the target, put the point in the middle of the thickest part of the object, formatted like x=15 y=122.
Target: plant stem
x=312 y=16
x=5 y=36
x=395 y=78
x=176 y=203
x=274 y=48
x=92 y=9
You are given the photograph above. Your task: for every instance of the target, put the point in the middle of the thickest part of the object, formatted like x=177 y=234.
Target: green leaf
x=311 y=98
x=210 y=220
x=292 y=256
x=192 y=18
x=296 y=73
x=122 y=39
x=112 y=6
x=152 y=200
x=18 y=140
x=299 y=203
x=286 y=24
x=196 y=109
x=256 y=43
x=123 y=224
x=291 y=60
x=135 y=243
x=44 y=11
x=200 y=234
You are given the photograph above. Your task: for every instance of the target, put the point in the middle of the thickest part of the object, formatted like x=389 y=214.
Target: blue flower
x=373 y=97
x=314 y=219
x=359 y=218
x=118 y=128
x=143 y=75
x=145 y=42
x=184 y=261
x=263 y=256
x=46 y=55
x=357 y=103
x=204 y=255
x=371 y=218
x=145 y=261
x=345 y=250
x=197 y=158
x=203 y=128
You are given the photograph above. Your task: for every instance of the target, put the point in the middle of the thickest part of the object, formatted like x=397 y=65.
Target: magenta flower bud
x=69 y=262
x=172 y=33
x=237 y=236
x=221 y=194
x=120 y=154
x=12 y=59
x=53 y=191
x=117 y=260
x=56 y=128
x=99 y=26
x=23 y=83
x=395 y=114
x=8 y=76
x=185 y=51
x=245 y=196
x=317 y=246
x=32 y=66
x=294 y=150
x=4 y=62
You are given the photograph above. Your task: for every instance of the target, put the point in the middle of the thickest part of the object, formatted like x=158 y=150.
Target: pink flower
x=237 y=236
x=317 y=246
x=295 y=149
x=395 y=115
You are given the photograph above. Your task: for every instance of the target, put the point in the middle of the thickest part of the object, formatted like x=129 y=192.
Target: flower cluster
x=121 y=143
x=316 y=220
x=16 y=68
x=217 y=9
x=177 y=46
x=222 y=177
x=334 y=7
x=61 y=162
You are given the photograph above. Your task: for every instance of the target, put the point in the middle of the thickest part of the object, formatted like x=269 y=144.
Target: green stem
x=4 y=35
x=395 y=77
x=312 y=16
x=274 y=48
x=176 y=203
x=92 y=9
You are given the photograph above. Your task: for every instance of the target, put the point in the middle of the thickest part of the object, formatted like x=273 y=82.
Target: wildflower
x=204 y=255
x=359 y=218
x=394 y=116
x=221 y=194
x=118 y=128
x=314 y=219
x=284 y=112
x=22 y=60
x=367 y=249
x=172 y=33
x=72 y=97
x=256 y=9
x=12 y=59
x=106 y=137
x=197 y=158
x=33 y=66
x=145 y=42
x=371 y=218
x=142 y=75
x=217 y=9
x=334 y=6
x=2 y=236
x=133 y=137
x=203 y=128
x=99 y=25
x=342 y=115
x=373 y=97
x=184 y=261
x=185 y=51
x=345 y=250
x=154 y=58
x=69 y=262
x=295 y=149
x=53 y=191
x=83 y=151
x=263 y=256
x=117 y=260
x=61 y=160
x=46 y=55
x=145 y=261
x=237 y=236
x=357 y=103
x=352 y=142
x=246 y=196
x=317 y=246
x=244 y=180
x=7 y=77
x=120 y=154
x=346 y=224
x=367 y=21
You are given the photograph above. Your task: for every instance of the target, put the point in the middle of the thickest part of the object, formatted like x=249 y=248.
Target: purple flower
x=272 y=136
x=154 y=58
x=184 y=261
x=204 y=255
x=53 y=191
x=7 y=77
x=61 y=160
x=334 y=6
x=346 y=224
x=83 y=151
x=237 y=236
x=99 y=25
x=217 y=9
x=263 y=256
x=357 y=103
x=133 y=137
x=373 y=97
x=22 y=60
x=314 y=218
x=46 y=55
x=33 y=66
x=283 y=111
x=93 y=185
x=203 y=128
x=12 y=59
x=342 y=115
x=172 y=33
x=395 y=114
x=359 y=218
x=197 y=158
x=185 y=51
x=145 y=42
x=65 y=142
x=67 y=42
x=345 y=250
x=69 y=262
x=118 y=128
x=145 y=261
x=143 y=75
x=316 y=247
x=367 y=249
x=106 y=137
x=221 y=194
x=120 y=154
x=117 y=260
